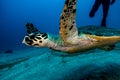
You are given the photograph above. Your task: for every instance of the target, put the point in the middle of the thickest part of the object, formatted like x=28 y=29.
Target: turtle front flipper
x=68 y=29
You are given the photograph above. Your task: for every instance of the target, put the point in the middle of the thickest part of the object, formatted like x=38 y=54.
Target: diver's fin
x=108 y=48
x=68 y=29
x=31 y=29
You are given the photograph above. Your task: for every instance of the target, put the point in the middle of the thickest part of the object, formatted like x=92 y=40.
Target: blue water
x=44 y=14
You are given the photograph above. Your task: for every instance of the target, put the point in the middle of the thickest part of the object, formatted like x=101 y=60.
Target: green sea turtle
x=70 y=39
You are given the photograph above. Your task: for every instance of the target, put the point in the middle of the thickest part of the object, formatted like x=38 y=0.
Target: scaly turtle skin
x=69 y=40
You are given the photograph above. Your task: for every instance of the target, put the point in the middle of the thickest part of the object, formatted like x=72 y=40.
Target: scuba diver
x=105 y=5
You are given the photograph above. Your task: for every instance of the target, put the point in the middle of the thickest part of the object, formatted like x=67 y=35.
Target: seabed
x=45 y=64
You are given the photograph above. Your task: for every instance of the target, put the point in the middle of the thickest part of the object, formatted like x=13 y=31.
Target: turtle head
x=37 y=40
x=35 y=37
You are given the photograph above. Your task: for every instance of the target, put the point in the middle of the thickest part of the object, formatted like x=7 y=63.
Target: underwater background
x=20 y=62
x=45 y=15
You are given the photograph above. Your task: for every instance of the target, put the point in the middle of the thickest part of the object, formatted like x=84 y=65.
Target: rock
x=9 y=51
x=95 y=72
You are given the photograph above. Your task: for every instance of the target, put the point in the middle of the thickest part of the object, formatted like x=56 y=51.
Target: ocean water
x=45 y=15
x=29 y=63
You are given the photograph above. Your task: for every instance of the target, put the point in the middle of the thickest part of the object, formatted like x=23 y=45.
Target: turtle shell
x=99 y=31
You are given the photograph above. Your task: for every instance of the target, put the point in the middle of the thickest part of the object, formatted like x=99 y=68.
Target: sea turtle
x=70 y=39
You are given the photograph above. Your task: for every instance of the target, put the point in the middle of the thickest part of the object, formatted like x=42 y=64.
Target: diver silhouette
x=105 y=5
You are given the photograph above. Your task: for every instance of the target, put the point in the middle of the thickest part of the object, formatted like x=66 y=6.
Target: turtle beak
x=23 y=41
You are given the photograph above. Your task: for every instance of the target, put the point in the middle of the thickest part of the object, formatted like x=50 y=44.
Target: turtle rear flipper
x=108 y=48
x=68 y=29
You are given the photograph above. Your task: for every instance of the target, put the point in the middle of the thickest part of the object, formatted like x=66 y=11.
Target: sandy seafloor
x=45 y=64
